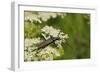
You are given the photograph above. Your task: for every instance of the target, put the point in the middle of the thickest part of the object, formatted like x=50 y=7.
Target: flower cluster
x=30 y=45
x=48 y=31
x=47 y=53
x=41 y=16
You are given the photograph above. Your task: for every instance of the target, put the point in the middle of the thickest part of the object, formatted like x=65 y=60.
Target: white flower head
x=50 y=30
x=27 y=56
x=41 y=16
x=53 y=32
x=48 y=53
x=32 y=17
x=30 y=42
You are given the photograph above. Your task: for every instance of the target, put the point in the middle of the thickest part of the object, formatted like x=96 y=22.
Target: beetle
x=47 y=42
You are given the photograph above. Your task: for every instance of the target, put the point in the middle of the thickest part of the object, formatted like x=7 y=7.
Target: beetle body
x=47 y=42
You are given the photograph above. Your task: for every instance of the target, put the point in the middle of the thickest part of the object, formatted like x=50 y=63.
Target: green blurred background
x=76 y=25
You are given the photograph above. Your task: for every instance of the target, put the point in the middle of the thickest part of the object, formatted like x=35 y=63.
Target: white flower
x=36 y=40
x=47 y=57
x=27 y=56
x=30 y=45
x=44 y=16
x=32 y=17
x=50 y=30
x=63 y=36
x=48 y=53
x=30 y=42
x=58 y=43
x=54 y=32
x=46 y=29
